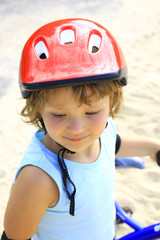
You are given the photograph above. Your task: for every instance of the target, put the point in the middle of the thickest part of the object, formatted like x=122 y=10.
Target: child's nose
x=76 y=125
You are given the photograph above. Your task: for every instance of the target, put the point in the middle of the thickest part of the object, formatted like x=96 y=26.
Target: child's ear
x=120 y=91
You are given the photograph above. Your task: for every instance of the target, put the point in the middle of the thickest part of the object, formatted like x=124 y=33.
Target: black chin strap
x=65 y=175
x=66 y=178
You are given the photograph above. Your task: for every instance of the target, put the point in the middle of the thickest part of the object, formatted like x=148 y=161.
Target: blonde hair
x=37 y=99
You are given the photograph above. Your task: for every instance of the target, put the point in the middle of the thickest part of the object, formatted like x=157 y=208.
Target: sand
x=135 y=24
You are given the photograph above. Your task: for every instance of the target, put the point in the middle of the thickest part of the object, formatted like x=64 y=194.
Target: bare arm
x=138 y=147
x=33 y=192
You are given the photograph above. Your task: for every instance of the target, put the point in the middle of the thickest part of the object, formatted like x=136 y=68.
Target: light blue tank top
x=94 y=201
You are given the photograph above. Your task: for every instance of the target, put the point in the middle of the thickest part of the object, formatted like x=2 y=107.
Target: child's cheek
x=53 y=122
x=99 y=122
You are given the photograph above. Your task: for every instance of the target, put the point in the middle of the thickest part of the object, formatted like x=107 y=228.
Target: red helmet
x=70 y=52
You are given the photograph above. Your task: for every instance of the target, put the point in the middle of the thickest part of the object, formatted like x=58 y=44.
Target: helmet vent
x=67 y=36
x=94 y=43
x=41 y=50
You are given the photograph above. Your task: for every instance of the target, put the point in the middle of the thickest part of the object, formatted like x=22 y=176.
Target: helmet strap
x=43 y=125
x=66 y=178
x=65 y=175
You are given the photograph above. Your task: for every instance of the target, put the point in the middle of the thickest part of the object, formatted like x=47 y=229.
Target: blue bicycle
x=141 y=232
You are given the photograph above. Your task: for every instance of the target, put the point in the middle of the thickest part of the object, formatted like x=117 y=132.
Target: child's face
x=74 y=125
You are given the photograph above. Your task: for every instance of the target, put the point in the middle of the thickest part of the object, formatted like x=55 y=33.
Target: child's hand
x=156 y=157
x=153 y=157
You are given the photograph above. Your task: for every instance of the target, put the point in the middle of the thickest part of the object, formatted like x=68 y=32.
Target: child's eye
x=58 y=115
x=92 y=113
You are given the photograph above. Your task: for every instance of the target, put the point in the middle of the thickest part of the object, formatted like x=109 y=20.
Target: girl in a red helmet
x=71 y=73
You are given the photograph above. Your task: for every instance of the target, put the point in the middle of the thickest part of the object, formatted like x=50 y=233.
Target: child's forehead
x=59 y=95
x=62 y=95
x=65 y=98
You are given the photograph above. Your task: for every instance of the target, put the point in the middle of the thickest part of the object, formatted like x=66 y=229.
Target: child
x=71 y=74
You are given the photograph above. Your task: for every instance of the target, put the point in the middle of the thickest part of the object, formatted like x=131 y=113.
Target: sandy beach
x=135 y=24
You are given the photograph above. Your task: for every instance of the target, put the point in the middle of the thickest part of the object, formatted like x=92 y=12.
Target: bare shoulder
x=34 y=180
x=33 y=192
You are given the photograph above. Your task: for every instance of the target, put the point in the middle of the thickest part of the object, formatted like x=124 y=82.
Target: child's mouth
x=75 y=139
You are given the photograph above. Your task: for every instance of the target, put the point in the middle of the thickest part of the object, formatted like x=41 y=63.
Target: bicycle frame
x=141 y=233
